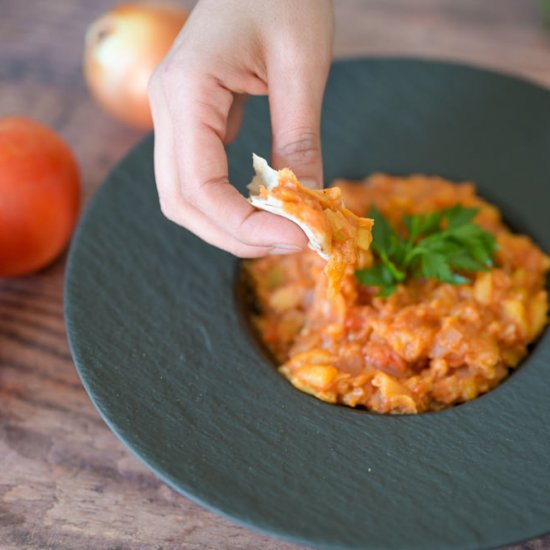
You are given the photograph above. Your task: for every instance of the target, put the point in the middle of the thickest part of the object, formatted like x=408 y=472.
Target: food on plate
x=39 y=195
x=334 y=232
x=122 y=49
x=440 y=309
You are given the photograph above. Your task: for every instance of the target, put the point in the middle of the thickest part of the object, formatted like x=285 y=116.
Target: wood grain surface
x=66 y=482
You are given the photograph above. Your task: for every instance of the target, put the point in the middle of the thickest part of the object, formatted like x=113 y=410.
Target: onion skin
x=122 y=49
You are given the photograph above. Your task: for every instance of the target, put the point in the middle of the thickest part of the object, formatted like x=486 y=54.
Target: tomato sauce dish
x=440 y=309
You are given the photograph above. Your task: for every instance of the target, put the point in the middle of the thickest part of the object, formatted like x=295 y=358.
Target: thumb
x=295 y=100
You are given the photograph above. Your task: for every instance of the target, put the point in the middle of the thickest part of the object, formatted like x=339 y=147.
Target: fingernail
x=284 y=249
x=310 y=183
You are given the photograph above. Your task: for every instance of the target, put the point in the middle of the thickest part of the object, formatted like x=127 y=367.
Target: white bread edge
x=269 y=178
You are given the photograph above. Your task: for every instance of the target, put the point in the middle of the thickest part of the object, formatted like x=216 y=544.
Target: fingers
x=200 y=117
x=172 y=204
x=191 y=172
x=196 y=109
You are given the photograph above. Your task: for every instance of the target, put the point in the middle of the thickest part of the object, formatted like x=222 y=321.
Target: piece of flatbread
x=333 y=231
x=268 y=178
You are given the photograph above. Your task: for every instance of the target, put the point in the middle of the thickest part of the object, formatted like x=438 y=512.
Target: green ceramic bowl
x=158 y=336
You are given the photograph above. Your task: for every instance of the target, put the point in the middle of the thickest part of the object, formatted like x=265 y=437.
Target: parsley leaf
x=436 y=266
x=422 y=224
x=379 y=275
x=383 y=235
x=442 y=245
x=458 y=216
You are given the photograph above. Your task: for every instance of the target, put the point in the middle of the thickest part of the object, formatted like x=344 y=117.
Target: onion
x=122 y=49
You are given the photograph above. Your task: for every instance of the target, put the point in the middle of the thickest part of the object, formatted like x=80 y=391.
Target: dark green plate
x=158 y=338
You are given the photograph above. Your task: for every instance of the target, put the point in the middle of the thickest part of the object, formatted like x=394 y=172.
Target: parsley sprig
x=439 y=245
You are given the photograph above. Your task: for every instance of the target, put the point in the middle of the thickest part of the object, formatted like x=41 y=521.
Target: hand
x=229 y=48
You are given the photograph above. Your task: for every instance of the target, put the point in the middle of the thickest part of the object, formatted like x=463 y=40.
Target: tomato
x=39 y=195
x=123 y=47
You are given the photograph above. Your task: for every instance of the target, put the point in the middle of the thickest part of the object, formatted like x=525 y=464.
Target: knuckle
x=167 y=207
x=188 y=196
x=302 y=146
x=197 y=192
x=215 y=181
x=176 y=69
x=168 y=73
x=153 y=86
x=153 y=82
x=164 y=75
x=241 y=250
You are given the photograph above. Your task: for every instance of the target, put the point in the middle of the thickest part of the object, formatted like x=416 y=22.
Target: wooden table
x=65 y=480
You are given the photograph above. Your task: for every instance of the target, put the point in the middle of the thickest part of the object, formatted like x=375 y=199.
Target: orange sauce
x=428 y=346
